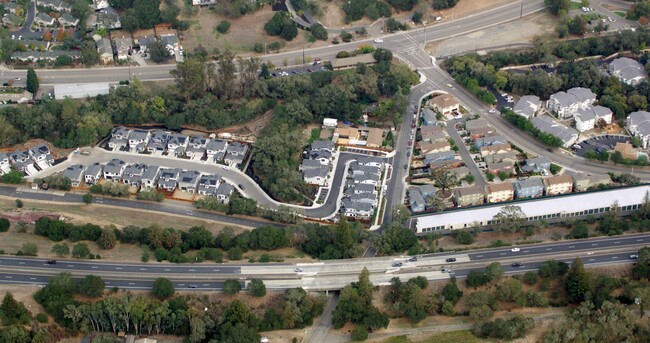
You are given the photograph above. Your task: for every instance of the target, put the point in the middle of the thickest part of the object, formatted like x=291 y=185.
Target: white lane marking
x=571 y=246
x=591 y=259
x=479 y=256
x=548 y=249
x=614 y=257
x=192 y=270
x=70 y=266
x=118 y=268
x=595 y=244
x=168 y=270
x=94 y=267
x=131 y=283
x=32 y=278
x=143 y=268
x=8 y=277
x=108 y=282
x=502 y=253
x=617 y=242
x=21 y=262
x=640 y=240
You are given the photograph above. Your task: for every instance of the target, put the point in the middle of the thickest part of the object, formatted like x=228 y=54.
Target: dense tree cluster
x=526 y=125
x=12 y=312
x=281 y=25
x=515 y=327
x=144 y=14
x=396 y=239
x=480 y=277
x=443 y=4
x=355 y=305
x=373 y=9
x=408 y=299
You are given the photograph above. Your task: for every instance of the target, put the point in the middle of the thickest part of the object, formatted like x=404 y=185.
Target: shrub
x=163 y=288
x=231 y=287
x=530 y=278
x=81 y=250
x=42 y=318
x=464 y=237
x=223 y=27
x=28 y=249
x=235 y=253
x=4 y=225
x=360 y=333
x=257 y=288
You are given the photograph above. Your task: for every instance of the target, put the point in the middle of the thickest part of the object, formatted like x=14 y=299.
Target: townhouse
x=627 y=70
x=489 y=141
x=429 y=118
x=138 y=139
x=560 y=184
x=536 y=165
x=356 y=209
x=583 y=181
x=41 y=156
x=500 y=192
x=188 y=181
x=119 y=138
x=638 y=125
x=158 y=142
x=528 y=106
x=417 y=203
x=114 y=169
x=565 y=104
x=529 y=188
x=567 y=135
x=208 y=184
x=469 y=196
x=42 y=19
x=177 y=144
x=67 y=20
x=316 y=176
x=427 y=148
x=93 y=173
x=498 y=148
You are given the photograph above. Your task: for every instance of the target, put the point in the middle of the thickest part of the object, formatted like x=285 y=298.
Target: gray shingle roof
x=550 y=126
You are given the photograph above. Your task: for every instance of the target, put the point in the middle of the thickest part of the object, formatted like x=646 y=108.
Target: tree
x=32 y=81
x=19 y=203
x=28 y=249
x=319 y=31
x=13 y=312
x=190 y=78
x=4 y=225
x=231 y=287
x=107 y=239
x=89 y=54
x=530 y=278
x=223 y=27
x=510 y=218
x=61 y=249
x=443 y=178
x=80 y=250
x=552 y=268
x=257 y=288
x=451 y=292
x=464 y=237
x=87 y=198
x=162 y=288
x=158 y=52
x=359 y=333
x=92 y=286
x=577 y=281
x=344 y=240
x=63 y=60
x=509 y=290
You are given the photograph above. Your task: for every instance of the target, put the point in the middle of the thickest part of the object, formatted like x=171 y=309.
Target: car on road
x=492 y=111
x=410 y=142
x=406 y=166
x=378 y=40
x=451 y=259
x=450 y=86
x=17 y=79
x=516 y=264
x=192 y=286
x=397 y=264
x=549 y=149
x=515 y=249
x=51 y=261
x=446 y=270
x=413 y=259
x=634 y=257
x=241 y=186
x=298 y=270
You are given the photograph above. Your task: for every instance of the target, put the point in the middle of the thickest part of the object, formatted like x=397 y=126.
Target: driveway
x=29 y=19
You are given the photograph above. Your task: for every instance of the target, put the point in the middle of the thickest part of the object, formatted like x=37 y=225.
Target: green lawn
x=464 y=336
x=620 y=14
x=575 y=6
x=315 y=133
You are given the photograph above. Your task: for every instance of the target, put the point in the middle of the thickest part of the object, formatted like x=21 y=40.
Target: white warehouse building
x=549 y=208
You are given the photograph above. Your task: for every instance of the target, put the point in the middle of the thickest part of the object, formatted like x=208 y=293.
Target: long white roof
x=576 y=202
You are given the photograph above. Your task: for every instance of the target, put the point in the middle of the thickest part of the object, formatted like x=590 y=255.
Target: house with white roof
x=565 y=104
x=528 y=106
x=627 y=70
x=638 y=125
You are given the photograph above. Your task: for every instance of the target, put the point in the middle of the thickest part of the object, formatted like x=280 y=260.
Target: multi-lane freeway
x=327 y=275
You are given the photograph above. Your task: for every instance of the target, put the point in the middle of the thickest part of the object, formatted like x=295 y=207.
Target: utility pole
x=521 y=15
x=303 y=54
x=424 y=42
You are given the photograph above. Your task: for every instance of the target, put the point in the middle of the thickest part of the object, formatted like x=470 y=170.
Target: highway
x=324 y=275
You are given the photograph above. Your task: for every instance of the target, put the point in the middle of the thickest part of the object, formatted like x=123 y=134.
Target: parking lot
x=607 y=142
x=304 y=69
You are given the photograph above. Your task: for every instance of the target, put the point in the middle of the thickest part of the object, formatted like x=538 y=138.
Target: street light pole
x=303 y=54
x=521 y=15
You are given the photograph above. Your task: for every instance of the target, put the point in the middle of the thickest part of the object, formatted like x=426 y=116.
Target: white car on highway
x=515 y=249
x=378 y=40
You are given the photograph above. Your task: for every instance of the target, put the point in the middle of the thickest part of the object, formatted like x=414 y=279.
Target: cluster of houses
x=363 y=184
x=146 y=177
x=160 y=142
x=58 y=12
x=494 y=150
x=14 y=14
x=533 y=187
x=28 y=162
x=122 y=47
x=317 y=162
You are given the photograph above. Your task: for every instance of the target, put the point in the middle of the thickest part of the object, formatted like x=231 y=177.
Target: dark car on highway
x=451 y=259
x=51 y=261
x=397 y=264
x=516 y=264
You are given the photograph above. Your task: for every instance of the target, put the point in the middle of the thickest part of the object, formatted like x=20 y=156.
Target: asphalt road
x=183 y=209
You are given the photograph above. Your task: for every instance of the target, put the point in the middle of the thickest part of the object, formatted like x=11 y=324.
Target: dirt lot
x=518 y=31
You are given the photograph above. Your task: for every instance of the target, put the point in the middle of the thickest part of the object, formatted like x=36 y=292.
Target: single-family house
x=489 y=141
x=196 y=147
x=177 y=143
x=529 y=188
x=426 y=131
x=93 y=173
x=105 y=50
x=223 y=192
x=438 y=157
x=460 y=172
x=370 y=161
x=236 y=153
x=188 y=181
x=316 y=176
x=138 y=140
x=638 y=125
x=114 y=169
x=428 y=190
x=132 y=174
x=495 y=149
x=20 y=156
x=170 y=41
x=40 y=153
x=208 y=184
x=123 y=47
x=536 y=165
x=324 y=157
x=508 y=156
x=57 y=5
x=416 y=200
x=368 y=179
x=501 y=167
x=145 y=43
x=149 y=178
x=627 y=70
x=429 y=117
x=565 y=104
x=10 y=19
x=32 y=56
x=309 y=164
x=500 y=192
x=42 y=19
x=482 y=132
x=475 y=124
x=375 y=138
x=5 y=166
x=319 y=145
x=567 y=135
x=427 y=148
x=168 y=179
x=528 y=106
x=108 y=18
x=368 y=198
x=216 y=149
x=560 y=184
x=67 y=20
x=357 y=169
x=591 y=116
x=469 y=196
x=158 y=141
x=12 y=7
x=445 y=104
x=19 y=97
x=75 y=173
x=358 y=188
x=356 y=209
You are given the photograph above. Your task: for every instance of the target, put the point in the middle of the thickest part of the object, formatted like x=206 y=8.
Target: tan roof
x=375 y=136
x=465 y=191
x=352 y=61
x=444 y=101
x=496 y=147
x=426 y=147
x=500 y=187
x=559 y=179
x=430 y=129
x=348 y=132
x=626 y=150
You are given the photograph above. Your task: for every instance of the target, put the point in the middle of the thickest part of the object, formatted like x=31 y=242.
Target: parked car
x=378 y=40
x=515 y=249
x=634 y=257
x=451 y=259
x=241 y=186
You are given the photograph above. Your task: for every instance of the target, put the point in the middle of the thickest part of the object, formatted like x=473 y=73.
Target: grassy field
x=315 y=133
x=464 y=336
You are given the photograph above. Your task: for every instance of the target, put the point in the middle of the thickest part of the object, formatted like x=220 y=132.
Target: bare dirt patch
x=24 y=294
